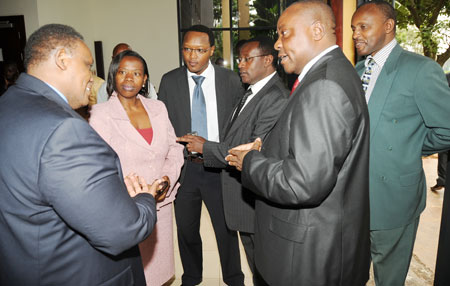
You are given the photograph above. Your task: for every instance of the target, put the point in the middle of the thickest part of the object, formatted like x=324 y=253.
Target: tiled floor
x=422 y=266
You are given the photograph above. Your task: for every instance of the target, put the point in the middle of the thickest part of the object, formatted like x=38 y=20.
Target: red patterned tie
x=294 y=86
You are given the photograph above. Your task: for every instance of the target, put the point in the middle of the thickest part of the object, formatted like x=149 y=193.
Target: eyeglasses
x=247 y=59
x=197 y=51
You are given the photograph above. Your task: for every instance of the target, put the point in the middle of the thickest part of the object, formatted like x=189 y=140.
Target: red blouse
x=147 y=133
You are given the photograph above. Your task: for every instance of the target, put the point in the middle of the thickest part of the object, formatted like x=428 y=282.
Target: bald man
x=102 y=95
x=311 y=174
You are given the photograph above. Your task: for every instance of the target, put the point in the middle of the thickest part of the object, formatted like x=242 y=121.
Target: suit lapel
x=380 y=92
x=184 y=98
x=310 y=75
x=221 y=100
x=124 y=126
x=250 y=107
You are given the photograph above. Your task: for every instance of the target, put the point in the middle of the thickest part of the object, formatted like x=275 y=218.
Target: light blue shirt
x=58 y=92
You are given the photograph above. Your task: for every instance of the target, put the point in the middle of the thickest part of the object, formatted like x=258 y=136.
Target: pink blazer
x=163 y=157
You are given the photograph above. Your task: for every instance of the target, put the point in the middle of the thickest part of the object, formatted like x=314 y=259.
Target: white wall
x=149 y=26
x=28 y=8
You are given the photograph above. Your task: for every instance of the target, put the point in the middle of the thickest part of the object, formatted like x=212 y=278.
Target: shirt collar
x=309 y=65
x=208 y=72
x=260 y=84
x=381 y=56
x=58 y=92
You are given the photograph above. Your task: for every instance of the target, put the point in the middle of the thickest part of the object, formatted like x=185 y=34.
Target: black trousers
x=248 y=241
x=199 y=185
x=442 y=168
x=442 y=275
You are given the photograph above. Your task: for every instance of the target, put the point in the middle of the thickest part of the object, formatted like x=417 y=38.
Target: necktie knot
x=198 y=79
x=247 y=94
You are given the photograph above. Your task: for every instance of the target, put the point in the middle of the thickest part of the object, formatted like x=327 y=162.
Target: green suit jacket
x=409 y=111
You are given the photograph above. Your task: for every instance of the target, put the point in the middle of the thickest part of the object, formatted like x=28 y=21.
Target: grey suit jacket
x=174 y=92
x=65 y=215
x=311 y=176
x=255 y=120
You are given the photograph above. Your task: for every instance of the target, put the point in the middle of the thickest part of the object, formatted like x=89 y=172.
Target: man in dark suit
x=311 y=176
x=65 y=215
x=199 y=97
x=443 y=158
x=253 y=117
x=409 y=103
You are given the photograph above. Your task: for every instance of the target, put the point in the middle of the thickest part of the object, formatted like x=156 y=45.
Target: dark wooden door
x=12 y=39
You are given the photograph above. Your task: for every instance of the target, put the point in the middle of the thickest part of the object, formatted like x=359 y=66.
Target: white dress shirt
x=309 y=65
x=380 y=58
x=256 y=88
x=209 y=91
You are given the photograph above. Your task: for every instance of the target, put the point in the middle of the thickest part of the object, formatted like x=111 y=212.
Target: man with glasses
x=199 y=97
x=253 y=117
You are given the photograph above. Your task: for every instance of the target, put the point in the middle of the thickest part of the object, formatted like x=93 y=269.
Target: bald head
x=305 y=29
x=120 y=48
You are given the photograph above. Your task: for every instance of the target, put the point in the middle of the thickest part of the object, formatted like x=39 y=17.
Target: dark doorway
x=12 y=40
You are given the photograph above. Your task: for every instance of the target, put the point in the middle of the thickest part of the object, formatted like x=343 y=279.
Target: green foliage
x=424 y=14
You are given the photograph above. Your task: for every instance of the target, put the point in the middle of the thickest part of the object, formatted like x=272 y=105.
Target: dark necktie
x=238 y=109
x=198 y=115
x=296 y=82
x=240 y=105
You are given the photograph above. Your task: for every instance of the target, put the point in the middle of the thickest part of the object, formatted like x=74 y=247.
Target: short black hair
x=266 y=46
x=114 y=66
x=201 y=29
x=46 y=39
x=385 y=8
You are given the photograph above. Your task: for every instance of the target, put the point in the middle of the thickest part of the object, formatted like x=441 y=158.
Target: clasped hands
x=136 y=185
x=237 y=154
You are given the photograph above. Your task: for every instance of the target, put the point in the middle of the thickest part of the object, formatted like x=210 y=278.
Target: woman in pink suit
x=140 y=132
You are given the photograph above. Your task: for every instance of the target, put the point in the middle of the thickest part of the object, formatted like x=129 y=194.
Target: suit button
x=383 y=178
x=390 y=148
x=394 y=121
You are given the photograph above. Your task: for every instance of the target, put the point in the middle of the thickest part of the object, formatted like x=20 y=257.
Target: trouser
x=248 y=241
x=199 y=185
x=442 y=168
x=391 y=252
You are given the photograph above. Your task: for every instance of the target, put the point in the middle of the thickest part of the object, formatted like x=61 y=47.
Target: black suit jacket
x=65 y=215
x=174 y=92
x=255 y=120
x=312 y=225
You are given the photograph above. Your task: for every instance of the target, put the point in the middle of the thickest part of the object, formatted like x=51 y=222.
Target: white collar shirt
x=380 y=58
x=256 y=88
x=309 y=65
x=209 y=91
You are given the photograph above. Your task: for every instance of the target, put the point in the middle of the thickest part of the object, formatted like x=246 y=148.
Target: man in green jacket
x=409 y=108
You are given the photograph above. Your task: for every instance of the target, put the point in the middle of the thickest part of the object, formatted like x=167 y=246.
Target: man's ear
x=61 y=58
x=389 y=26
x=268 y=60
x=318 y=30
x=211 y=51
